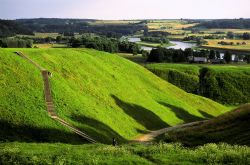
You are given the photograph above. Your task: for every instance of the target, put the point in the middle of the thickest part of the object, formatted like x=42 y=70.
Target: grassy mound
x=100 y=93
x=231 y=127
x=226 y=84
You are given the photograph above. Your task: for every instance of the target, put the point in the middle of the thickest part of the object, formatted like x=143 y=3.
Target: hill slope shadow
x=142 y=115
x=97 y=130
x=26 y=133
x=181 y=113
x=206 y=115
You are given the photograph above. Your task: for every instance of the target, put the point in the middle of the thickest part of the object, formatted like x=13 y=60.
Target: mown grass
x=32 y=153
x=102 y=94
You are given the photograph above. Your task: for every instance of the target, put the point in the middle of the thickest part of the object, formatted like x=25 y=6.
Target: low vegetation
x=33 y=153
x=231 y=127
x=220 y=83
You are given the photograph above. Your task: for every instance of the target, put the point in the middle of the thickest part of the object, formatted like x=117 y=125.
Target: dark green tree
x=211 y=54
x=228 y=57
x=246 y=36
x=230 y=35
x=217 y=54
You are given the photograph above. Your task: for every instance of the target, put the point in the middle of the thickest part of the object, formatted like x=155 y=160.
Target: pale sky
x=124 y=9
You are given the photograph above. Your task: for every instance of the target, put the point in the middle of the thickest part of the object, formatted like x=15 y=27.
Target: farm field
x=113 y=22
x=92 y=103
x=237 y=31
x=41 y=35
x=241 y=47
x=169 y=24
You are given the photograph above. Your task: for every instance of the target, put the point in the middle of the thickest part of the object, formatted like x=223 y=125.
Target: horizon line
x=125 y=19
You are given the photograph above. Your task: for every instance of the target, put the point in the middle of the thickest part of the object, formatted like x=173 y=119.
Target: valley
x=124 y=82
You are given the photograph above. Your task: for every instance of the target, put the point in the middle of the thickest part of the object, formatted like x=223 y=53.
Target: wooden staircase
x=49 y=101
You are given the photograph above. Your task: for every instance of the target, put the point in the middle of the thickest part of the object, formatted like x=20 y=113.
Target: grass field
x=139 y=59
x=49 y=45
x=214 y=44
x=169 y=24
x=23 y=153
x=100 y=93
x=154 y=45
x=237 y=31
x=41 y=35
x=113 y=22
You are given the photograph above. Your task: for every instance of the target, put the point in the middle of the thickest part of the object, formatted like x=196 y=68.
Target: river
x=177 y=44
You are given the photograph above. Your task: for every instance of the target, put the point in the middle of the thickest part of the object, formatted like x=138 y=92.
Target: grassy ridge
x=221 y=83
x=232 y=127
x=100 y=93
x=21 y=153
x=181 y=75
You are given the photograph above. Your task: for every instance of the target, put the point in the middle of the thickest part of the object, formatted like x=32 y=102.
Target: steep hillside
x=183 y=76
x=220 y=83
x=231 y=127
x=100 y=93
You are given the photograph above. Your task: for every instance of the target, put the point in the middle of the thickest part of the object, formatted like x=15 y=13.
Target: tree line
x=10 y=28
x=161 y=40
x=160 y=55
x=102 y=43
x=63 y=26
x=226 y=24
x=16 y=43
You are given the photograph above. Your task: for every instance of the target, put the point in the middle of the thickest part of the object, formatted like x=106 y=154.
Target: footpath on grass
x=153 y=134
x=49 y=100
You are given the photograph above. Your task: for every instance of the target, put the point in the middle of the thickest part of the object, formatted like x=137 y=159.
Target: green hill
x=227 y=84
x=231 y=127
x=102 y=94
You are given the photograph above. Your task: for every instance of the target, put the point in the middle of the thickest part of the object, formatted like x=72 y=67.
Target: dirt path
x=153 y=134
x=49 y=100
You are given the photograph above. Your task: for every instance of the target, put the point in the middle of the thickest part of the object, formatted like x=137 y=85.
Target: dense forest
x=55 y=25
x=10 y=28
x=226 y=24
x=67 y=27
x=102 y=43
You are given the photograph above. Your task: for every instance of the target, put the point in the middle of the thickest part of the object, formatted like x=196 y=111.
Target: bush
x=228 y=87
